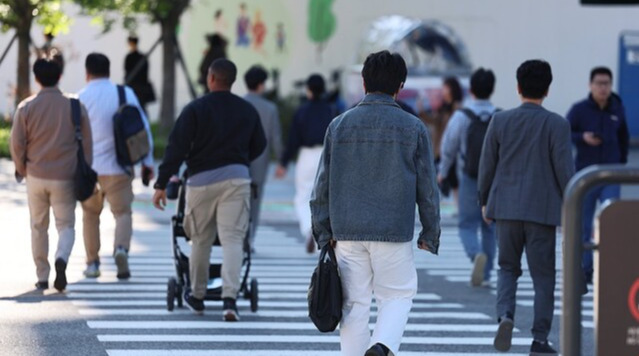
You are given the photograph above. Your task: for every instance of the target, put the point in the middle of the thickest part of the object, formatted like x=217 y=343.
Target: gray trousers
x=539 y=241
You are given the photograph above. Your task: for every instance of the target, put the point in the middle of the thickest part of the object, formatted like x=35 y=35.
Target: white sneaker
x=122 y=262
x=93 y=270
x=477 y=276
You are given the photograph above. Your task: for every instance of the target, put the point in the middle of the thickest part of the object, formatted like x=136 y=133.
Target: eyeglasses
x=602 y=83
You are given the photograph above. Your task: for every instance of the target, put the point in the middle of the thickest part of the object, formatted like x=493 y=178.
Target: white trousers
x=305 y=172
x=385 y=270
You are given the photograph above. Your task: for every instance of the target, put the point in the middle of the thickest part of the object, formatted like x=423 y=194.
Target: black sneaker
x=538 y=348
x=195 y=304
x=377 y=350
x=42 y=285
x=230 y=310
x=60 y=275
x=503 y=338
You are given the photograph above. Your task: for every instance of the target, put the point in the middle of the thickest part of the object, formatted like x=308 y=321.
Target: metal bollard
x=573 y=281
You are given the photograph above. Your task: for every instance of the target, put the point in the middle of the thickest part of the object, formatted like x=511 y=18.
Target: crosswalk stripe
x=303 y=313
x=189 y=325
x=306 y=339
x=270 y=304
x=262 y=295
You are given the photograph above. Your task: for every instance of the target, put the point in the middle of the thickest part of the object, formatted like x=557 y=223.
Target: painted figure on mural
x=259 y=32
x=220 y=25
x=243 y=27
x=280 y=37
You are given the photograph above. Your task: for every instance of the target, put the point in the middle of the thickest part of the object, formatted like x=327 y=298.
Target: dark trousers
x=539 y=241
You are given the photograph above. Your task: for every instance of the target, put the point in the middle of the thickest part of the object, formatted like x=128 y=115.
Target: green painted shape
x=321 y=20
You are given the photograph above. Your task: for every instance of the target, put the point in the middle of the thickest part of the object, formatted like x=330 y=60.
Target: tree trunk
x=167 y=106
x=24 y=74
x=24 y=12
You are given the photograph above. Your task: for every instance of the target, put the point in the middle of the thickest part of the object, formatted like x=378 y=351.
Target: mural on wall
x=321 y=23
x=246 y=31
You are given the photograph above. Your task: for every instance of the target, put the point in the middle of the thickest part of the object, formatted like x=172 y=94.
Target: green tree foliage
x=165 y=13
x=19 y=15
x=321 y=22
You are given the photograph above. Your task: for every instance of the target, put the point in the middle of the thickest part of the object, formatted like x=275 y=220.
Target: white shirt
x=100 y=97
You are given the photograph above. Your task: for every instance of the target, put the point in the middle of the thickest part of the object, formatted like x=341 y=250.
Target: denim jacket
x=376 y=164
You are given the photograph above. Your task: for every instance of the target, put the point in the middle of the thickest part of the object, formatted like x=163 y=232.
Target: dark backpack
x=475 y=141
x=129 y=132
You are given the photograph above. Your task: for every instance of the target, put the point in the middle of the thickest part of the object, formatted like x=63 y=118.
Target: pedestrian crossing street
x=130 y=317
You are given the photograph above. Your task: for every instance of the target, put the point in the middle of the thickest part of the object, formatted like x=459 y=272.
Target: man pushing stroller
x=218 y=135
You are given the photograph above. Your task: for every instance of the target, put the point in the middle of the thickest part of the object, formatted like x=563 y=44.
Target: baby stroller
x=176 y=285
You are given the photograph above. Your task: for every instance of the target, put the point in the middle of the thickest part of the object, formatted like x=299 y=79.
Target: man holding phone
x=600 y=134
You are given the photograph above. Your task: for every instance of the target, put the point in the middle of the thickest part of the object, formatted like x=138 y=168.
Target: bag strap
x=75 y=118
x=328 y=254
x=121 y=95
x=470 y=114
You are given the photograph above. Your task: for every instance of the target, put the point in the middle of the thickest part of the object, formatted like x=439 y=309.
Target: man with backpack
x=462 y=141
x=115 y=123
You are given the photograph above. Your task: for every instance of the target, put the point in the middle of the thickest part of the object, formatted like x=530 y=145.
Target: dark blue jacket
x=609 y=124
x=308 y=128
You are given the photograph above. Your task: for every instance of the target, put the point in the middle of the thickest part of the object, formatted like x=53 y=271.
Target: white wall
x=500 y=34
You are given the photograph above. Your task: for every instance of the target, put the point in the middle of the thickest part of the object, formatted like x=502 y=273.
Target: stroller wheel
x=171 y=288
x=179 y=295
x=253 y=295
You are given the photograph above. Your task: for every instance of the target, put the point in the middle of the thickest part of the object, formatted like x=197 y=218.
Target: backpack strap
x=121 y=95
x=470 y=114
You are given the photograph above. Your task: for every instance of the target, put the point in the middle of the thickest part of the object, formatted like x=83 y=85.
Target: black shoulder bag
x=85 y=177
x=325 y=292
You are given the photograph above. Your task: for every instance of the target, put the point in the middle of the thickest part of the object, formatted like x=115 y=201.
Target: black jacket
x=213 y=131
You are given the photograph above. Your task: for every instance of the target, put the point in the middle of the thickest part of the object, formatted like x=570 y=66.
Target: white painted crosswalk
x=460 y=273
x=131 y=318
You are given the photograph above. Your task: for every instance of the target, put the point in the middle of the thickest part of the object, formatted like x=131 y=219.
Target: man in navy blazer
x=525 y=165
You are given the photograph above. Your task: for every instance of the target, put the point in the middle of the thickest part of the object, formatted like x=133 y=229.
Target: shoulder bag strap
x=121 y=95
x=75 y=118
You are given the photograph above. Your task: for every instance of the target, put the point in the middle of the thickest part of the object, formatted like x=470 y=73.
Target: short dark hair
x=534 y=77
x=482 y=83
x=600 y=70
x=133 y=39
x=255 y=76
x=316 y=84
x=384 y=72
x=456 y=92
x=224 y=71
x=47 y=72
x=97 y=64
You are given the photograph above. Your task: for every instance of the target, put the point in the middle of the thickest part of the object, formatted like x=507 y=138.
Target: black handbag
x=85 y=177
x=325 y=292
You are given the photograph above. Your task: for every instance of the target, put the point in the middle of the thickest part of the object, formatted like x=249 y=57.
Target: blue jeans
x=601 y=194
x=470 y=220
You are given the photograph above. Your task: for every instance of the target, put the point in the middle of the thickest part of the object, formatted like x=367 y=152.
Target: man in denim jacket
x=376 y=164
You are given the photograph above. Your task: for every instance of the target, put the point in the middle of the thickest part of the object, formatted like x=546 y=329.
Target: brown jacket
x=43 y=141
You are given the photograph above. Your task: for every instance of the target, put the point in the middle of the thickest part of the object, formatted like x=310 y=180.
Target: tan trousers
x=43 y=194
x=118 y=191
x=220 y=209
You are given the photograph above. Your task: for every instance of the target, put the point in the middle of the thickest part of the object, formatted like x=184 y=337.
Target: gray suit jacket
x=525 y=165
x=271 y=123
